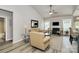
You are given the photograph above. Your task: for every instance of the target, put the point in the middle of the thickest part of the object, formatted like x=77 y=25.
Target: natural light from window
x=66 y=24
x=47 y=25
x=77 y=24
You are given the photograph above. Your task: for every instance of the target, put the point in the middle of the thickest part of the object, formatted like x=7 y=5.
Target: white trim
x=17 y=41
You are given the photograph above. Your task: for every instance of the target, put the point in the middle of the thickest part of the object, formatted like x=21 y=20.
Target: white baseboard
x=17 y=41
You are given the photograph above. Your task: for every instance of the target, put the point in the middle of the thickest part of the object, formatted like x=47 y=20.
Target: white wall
x=22 y=16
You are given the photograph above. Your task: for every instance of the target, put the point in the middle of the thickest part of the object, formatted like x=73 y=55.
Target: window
x=66 y=24
x=47 y=25
x=77 y=24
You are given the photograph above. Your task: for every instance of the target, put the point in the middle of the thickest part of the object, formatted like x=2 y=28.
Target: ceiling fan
x=52 y=11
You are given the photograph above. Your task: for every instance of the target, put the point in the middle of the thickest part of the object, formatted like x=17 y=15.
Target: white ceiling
x=43 y=10
x=76 y=13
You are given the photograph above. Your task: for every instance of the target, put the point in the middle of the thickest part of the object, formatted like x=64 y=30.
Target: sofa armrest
x=46 y=39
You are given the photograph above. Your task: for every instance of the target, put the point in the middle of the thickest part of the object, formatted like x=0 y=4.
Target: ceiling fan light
x=50 y=13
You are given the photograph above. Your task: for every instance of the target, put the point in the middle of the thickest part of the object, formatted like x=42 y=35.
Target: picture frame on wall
x=34 y=23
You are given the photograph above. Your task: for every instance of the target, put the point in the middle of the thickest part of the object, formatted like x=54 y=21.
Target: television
x=55 y=23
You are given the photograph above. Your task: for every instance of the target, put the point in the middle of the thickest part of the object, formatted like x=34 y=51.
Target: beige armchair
x=38 y=40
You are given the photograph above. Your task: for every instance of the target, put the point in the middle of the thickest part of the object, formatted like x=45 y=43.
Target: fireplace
x=55 y=30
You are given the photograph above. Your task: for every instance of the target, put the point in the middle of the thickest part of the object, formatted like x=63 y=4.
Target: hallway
x=58 y=44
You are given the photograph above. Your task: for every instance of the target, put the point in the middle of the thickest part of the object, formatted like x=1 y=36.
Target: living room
x=43 y=28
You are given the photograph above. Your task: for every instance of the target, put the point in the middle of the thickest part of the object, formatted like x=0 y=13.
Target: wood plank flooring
x=58 y=44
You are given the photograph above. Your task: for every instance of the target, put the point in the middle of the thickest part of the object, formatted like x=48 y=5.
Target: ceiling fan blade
x=55 y=12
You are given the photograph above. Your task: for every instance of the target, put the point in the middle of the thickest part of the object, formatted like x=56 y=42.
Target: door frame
x=5 y=26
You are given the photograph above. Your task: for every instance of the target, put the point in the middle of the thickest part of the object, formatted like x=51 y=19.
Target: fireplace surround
x=55 y=30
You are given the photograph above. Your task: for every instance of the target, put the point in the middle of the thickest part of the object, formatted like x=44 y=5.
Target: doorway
x=2 y=30
x=6 y=28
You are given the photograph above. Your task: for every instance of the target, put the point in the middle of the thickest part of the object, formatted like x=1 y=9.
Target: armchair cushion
x=46 y=39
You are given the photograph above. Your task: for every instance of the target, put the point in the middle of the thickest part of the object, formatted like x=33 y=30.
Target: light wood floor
x=58 y=44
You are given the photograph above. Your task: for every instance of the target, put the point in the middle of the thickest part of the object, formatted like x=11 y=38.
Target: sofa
x=39 y=40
